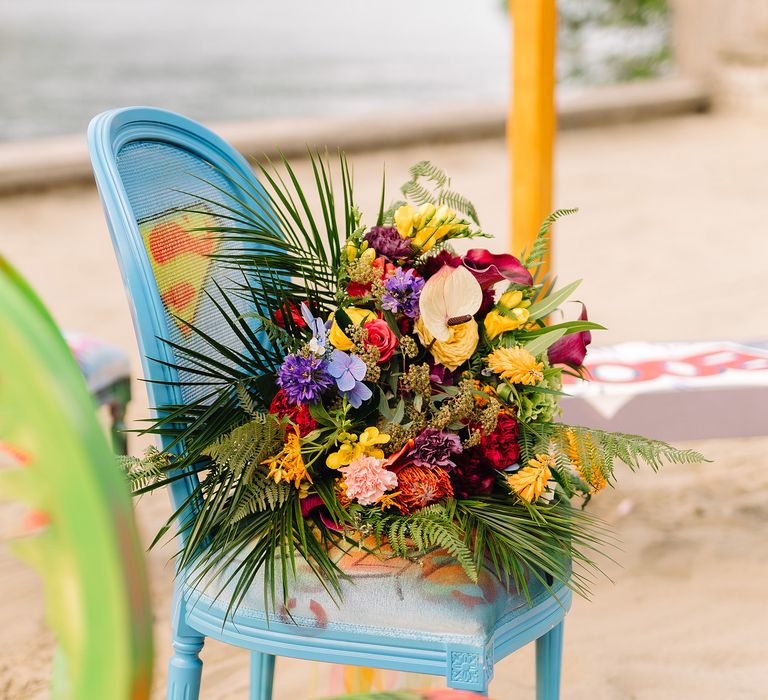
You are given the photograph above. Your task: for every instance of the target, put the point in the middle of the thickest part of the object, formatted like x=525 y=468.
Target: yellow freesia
x=358 y=317
x=428 y=225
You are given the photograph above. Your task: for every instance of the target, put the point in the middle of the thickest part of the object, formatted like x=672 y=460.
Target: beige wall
x=725 y=43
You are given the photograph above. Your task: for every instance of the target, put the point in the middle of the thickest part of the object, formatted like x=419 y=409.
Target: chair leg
x=549 y=658
x=185 y=668
x=262 y=675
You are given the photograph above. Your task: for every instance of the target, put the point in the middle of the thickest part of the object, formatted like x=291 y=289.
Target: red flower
x=472 y=475
x=489 y=268
x=315 y=505
x=500 y=449
x=295 y=315
x=298 y=415
x=435 y=263
x=571 y=349
x=380 y=335
x=355 y=289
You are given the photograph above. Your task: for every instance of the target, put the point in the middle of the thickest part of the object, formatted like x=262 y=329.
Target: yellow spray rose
x=454 y=351
x=358 y=317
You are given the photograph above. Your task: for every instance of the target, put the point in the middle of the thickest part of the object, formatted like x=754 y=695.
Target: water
x=62 y=61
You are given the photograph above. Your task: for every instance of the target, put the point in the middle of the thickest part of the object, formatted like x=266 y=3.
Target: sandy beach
x=669 y=240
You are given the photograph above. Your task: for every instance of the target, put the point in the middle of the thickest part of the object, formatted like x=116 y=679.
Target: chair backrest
x=151 y=168
x=79 y=531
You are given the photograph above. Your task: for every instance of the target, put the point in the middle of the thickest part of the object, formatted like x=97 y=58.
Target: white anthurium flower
x=450 y=297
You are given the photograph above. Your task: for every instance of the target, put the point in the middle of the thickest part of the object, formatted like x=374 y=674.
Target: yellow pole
x=532 y=121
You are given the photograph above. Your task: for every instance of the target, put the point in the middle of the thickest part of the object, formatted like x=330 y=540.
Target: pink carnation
x=367 y=480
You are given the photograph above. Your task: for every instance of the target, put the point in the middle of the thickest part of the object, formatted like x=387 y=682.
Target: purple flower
x=349 y=371
x=489 y=268
x=434 y=448
x=319 y=330
x=303 y=379
x=385 y=240
x=402 y=292
x=571 y=349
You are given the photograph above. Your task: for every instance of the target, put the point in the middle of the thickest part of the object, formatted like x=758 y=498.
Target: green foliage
x=540 y=247
x=520 y=541
x=430 y=184
x=411 y=535
x=261 y=494
x=244 y=448
x=602 y=449
x=144 y=471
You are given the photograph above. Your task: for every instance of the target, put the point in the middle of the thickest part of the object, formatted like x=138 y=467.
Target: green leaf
x=547 y=305
x=539 y=344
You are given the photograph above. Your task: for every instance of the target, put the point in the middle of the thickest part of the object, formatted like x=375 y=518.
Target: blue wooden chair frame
x=464 y=667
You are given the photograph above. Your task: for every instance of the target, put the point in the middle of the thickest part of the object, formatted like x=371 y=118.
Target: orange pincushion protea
x=420 y=486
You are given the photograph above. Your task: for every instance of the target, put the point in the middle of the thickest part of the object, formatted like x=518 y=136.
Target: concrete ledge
x=51 y=162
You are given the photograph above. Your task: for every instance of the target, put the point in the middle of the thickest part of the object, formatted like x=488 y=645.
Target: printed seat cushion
x=426 y=597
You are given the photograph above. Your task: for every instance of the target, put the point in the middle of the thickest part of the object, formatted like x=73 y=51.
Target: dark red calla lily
x=571 y=349
x=313 y=503
x=489 y=268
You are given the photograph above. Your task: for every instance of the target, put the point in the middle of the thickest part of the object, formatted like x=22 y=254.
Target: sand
x=670 y=243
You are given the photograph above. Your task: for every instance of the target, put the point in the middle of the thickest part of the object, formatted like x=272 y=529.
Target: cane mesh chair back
x=165 y=181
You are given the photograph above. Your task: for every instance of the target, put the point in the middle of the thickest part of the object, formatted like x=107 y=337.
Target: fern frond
x=540 y=247
x=431 y=172
x=415 y=534
x=430 y=184
x=147 y=470
x=246 y=446
x=460 y=203
x=600 y=449
x=259 y=495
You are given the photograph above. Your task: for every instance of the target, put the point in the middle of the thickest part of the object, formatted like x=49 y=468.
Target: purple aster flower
x=434 y=448
x=385 y=240
x=303 y=379
x=402 y=292
x=349 y=371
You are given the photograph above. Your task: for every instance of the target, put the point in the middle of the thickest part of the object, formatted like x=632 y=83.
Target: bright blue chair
x=151 y=165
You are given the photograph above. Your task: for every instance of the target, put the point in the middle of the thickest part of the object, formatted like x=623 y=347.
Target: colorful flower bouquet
x=389 y=390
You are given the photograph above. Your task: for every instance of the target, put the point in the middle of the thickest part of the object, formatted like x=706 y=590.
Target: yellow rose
x=358 y=317
x=454 y=351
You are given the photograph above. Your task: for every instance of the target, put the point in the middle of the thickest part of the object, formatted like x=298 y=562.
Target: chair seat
x=428 y=597
x=101 y=363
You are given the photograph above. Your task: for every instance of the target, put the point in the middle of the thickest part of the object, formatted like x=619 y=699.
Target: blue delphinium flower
x=319 y=329
x=401 y=293
x=303 y=379
x=349 y=371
